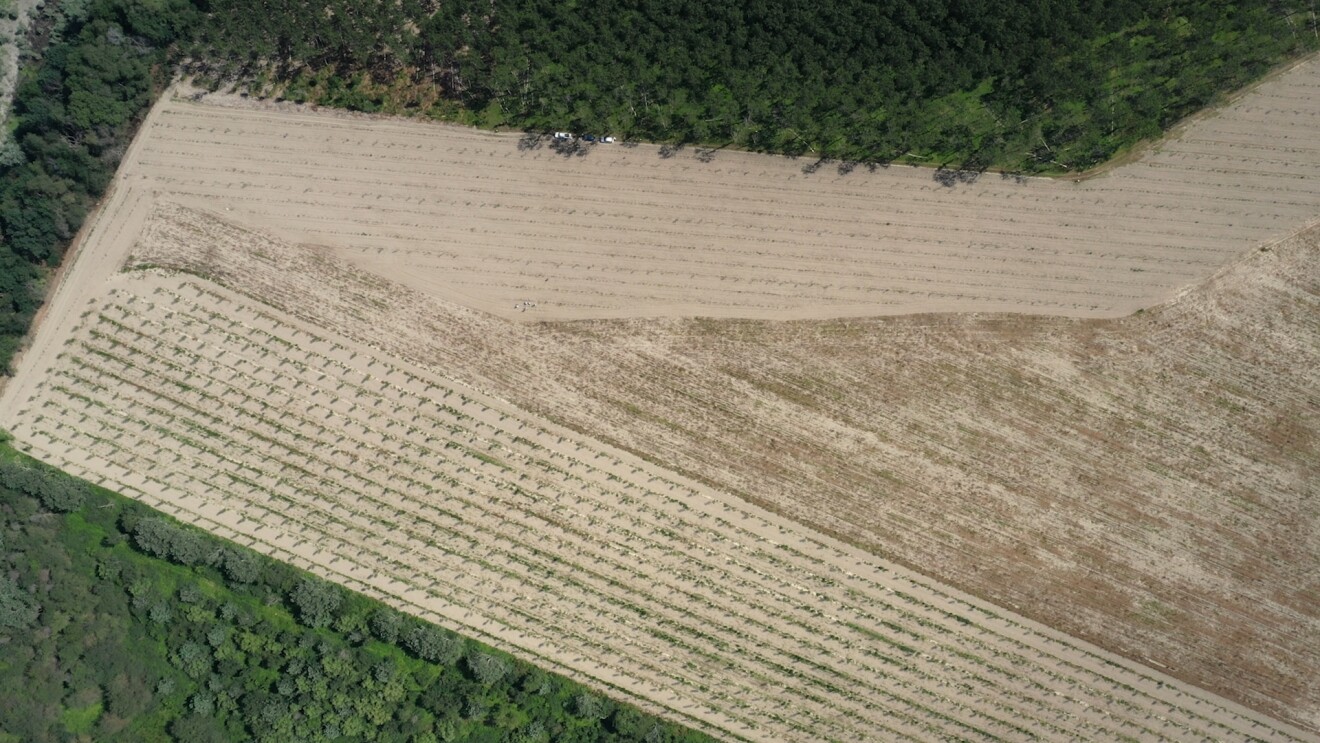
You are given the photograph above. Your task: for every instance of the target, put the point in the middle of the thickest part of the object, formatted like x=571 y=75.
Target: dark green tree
x=316 y=602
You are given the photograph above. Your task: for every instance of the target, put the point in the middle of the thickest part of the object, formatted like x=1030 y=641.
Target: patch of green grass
x=79 y=720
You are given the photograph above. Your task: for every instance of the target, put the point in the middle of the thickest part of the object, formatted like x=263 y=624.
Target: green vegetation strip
x=123 y=624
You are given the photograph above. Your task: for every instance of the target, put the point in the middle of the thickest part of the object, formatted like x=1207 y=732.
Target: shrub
x=17 y=608
x=240 y=567
x=56 y=492
x=486 y=668
x=160 y=538
x=386 y=624
x=589 y=706
x=316 y=602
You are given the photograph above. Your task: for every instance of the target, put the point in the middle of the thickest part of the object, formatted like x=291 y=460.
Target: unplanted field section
x=556 y=546
x=622 y=231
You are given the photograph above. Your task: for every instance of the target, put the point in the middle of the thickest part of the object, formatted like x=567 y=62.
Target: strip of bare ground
x=528 y=233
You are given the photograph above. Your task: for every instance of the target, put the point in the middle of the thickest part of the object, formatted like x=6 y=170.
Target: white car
x=607 y=140
x=563 y=135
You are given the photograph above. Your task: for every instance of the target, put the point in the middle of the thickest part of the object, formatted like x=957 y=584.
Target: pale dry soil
x=1148 y=483
x=620 y=231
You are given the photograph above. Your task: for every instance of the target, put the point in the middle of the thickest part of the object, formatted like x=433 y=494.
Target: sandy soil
x=619 y=231
x=463 y=508
x=1148 y=483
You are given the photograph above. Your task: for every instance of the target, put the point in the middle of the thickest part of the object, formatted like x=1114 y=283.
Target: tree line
x=119 y=623
x=90 y=73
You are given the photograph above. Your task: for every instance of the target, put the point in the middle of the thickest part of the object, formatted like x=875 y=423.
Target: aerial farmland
x=777 y=449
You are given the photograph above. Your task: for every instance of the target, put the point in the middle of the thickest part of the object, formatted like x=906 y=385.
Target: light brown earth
x=1149 y=483
x=466 y=509
x=471 y=217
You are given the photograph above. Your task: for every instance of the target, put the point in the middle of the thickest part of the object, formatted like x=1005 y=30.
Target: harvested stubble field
x=459 y=506
x=623 y=232
x=1149 y=483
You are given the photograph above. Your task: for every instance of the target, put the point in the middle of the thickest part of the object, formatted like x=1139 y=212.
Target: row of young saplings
x=1121 y=685
x=119 y=437
x=271 y=517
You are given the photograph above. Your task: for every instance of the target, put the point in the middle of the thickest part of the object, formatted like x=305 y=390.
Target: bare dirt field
x=620 y=231
x=1149 y=483
x=467 y=510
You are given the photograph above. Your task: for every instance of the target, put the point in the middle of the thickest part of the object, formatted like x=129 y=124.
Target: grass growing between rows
x=120 y=623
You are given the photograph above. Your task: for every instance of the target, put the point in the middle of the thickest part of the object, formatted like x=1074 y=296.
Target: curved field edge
x=527 y=234
x=555 y=545
x=180 y=631
x=46 y=204
x=1207 y=471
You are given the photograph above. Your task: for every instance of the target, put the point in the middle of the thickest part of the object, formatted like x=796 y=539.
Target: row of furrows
x=339 y=524
x=943 y=216
x=185 y=488
x=268 y=143
x=1044 y=205
x=393 y=219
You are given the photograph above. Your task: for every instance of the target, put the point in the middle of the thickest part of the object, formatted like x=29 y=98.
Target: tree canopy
x=1047 y=85
x=1040 y=86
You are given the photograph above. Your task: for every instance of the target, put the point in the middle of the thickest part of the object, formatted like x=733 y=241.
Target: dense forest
x=90 y=73
x=118 y=623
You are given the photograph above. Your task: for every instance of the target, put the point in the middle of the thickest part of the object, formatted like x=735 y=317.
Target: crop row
x=562 y=541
